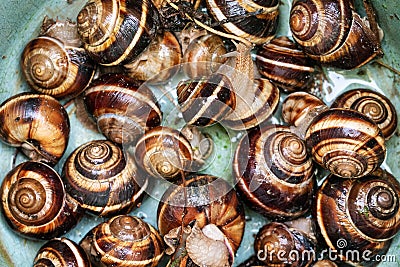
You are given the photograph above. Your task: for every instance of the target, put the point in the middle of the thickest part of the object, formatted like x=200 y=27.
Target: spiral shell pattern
x=38 y=124
x=373 y=104
x=122 y=109
x=124 y=240
x=103 y=179
x=274 y=160
x=52 y=68
x=164 y=152
x=35 y=204
x=346 y=142
x=61 y=252
x=115 y=32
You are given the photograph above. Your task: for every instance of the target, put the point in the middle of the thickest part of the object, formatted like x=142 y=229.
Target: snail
x=358 y=214
x=159 y=62
x=346 y=142
x=164 y=152
x=54 y=65
x=274 y=173
x=116 y=32
x=37 y=124
x=188 y=35
x=204 y=55
x=254 y=21
x=122 y=109
x=332 y=33
x=204 y=211
x=123 y=240
x=202 y=144
x=283 y=63
x=276 y=244
x=373 y=104
x=103 y=179
x=35 y=204
x=61 y=252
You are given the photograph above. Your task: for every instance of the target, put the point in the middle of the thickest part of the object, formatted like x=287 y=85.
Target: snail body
x=274 y=173
x=36 y=123
x=358 y=214
x=126 y=240
x=122 y=109
x=103 y=179
x=35 y=203
x=61 y=252
x=115 y=32
x=345 y=142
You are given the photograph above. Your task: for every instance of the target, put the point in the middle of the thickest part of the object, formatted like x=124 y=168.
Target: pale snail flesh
x=38 y=124
x=359 y=214
x=373 y=104
x=345 y=142
x=103 y=179
x=116 y=32
x=123 y=240
x=61 y=252
x=35 y=203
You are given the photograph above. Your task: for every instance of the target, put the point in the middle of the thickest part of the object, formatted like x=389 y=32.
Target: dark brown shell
x=282 y=62
x=274 y=173
x=122 y=108
x=115 y=32
x=255 y=21
x=61 y=252
x=126 y=239
x=373 y=104
x=359 y=214
x=103 y=179
x=36 y=123
x=35 y=204
x=345 y=142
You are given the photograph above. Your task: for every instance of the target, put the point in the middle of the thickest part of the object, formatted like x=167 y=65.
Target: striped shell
x=206 y=100
x=61 y=252
x=124 y=240
x=35 y=203
x=283 y=63
x=255 y=21
x=373 y=104
x=274 y=173
x=122 y=109
x=164 y=152
x=36 y=123
x=103 y=179
x=361 y=213
x=116 y=31
x=346 y=142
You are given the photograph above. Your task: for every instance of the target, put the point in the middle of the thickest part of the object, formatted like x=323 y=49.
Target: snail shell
x=61 y=252
x=204 y=55
x=115 y=32
x=358 y=214
x=275 y=244
x=123 y=240
x=156 y=63
x=164 y=152
x=206 y=100
x=35 y=204
x=209 y=200
x=346 y=142
x=332 y=33
x=373 y=104
x=123 y=110
x=38 y=124
x=274 y=173
x=283 y=63
x=103 y=179
x=255 y=21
